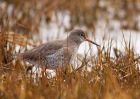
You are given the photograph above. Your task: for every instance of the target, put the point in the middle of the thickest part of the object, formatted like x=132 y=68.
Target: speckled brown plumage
x=55 y=53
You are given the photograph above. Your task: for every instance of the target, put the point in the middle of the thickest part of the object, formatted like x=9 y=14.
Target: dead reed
x=111 y=77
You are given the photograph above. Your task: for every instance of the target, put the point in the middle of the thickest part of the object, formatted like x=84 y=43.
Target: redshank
x=56 y=53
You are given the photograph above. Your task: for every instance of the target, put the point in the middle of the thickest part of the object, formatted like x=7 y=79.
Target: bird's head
x=79 y=36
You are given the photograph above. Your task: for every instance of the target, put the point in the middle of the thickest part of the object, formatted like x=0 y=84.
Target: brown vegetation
x=110 y=78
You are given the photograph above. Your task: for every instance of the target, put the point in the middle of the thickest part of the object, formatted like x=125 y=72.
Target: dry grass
x=111 y=78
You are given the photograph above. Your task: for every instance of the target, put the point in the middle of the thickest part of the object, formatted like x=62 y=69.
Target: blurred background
x=44 y=20
x=110 y=73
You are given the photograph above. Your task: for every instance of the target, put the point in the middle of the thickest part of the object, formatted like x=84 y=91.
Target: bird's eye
x=82 y=34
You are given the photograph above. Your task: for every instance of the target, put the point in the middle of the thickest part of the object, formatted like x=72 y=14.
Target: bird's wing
x=42 y=51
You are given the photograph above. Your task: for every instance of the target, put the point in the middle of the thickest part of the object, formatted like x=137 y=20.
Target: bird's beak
x=86 y=39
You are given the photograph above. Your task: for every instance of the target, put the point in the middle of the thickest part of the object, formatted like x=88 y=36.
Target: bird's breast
x=61 y=57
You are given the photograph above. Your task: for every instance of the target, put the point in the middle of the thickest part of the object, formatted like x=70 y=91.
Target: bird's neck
x=72 y=45
x=73 y=41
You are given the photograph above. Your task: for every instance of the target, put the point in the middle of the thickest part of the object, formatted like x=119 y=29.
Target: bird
x=58 y=53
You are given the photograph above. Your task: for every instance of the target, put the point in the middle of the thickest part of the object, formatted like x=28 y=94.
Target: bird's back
x=51 y=54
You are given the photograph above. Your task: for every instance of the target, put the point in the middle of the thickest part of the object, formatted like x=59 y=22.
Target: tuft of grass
x=110 y=78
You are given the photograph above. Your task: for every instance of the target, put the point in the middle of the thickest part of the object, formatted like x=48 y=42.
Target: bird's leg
x=58 y=72
x=44 y=72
